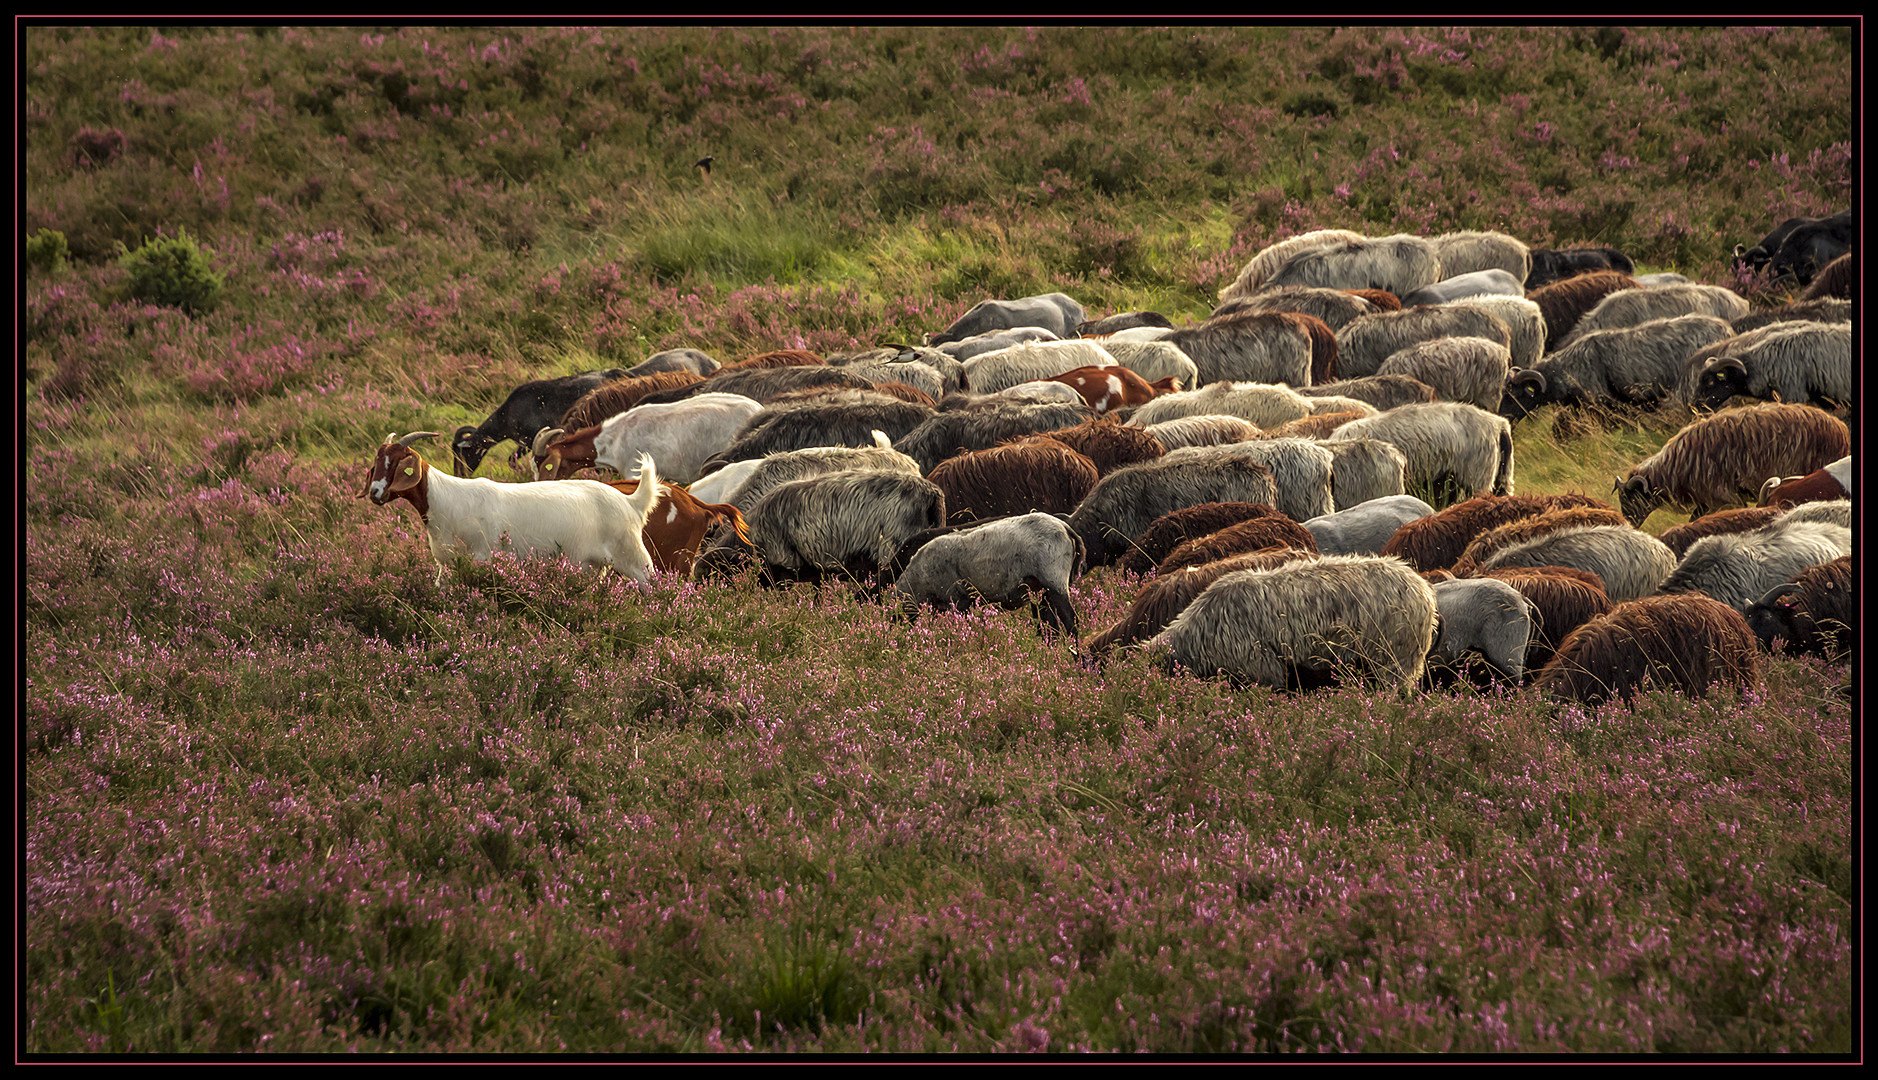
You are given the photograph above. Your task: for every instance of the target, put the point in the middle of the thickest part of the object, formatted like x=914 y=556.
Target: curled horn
x=1726 y=363
x=543 y=438
x=1527 y=377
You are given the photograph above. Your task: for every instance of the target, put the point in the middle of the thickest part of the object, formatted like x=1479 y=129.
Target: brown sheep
x=1563 y=599
x=1687 y=643
x=1169 y=531
x=1815 y=613
x=776 y=359
x=1838 y=280
x=1323 y=346
x=1107 y=443
x=1436 y=541
x=1563 y=303
x=1723 y=459
x=1247 y=536
x=1382 y=298
x=1018 y=478
x=607 y=401
x=1743 y=519
x=1529 y=528
x=1166 y=597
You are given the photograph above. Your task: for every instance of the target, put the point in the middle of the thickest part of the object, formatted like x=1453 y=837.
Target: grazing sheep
x=1015 y=478
x=1738 y=568
x=1630 y=307
x=1834 y=512
x=1482 y=547
x=1686 y=644
x=988 y=373
x=1317 y=426
x=1128 y=500
x=1043 y=390
x=958 y=431
x=1743 y=519
x=776 y=358
x=1363 y=470
x=1826 y=484
x=1122 y=321
x=1636 y=366
x=1435 y=542
x=1160 y=600
x=1398 y=264
x=1054 y=312
x=1463 y=253
x=1485 y=618
x=991 y=341
x=1825 y=309
x=1467 y=369
x=528 y=408
x=1814 y=613
x=1563 y=303
x=1334 y=307
x=1170 y=531
x=698 y=363
x=1271 y=259
x=1452 y=449
x=1300 y=468
x=1562 y=600
x=1265 y=405
x=1800 y=246
x=1107 y=443
x=1332 y=404
x=1207 y=429
x=762 y=384
x=1001 y=562
x=1633 y=564
x=1363 y=344
x=1384 y=392
x=1363 y=529
x=1550 y=266
x=929 y=370
x=1494 y=282
x=1796 y=362
x=1524 y=322
x=1724 y=459
x=1250 y=347
x=843 y=524
x=1154 y=360
x=1838 y=280
x=1306 y=623
x=1257 y=534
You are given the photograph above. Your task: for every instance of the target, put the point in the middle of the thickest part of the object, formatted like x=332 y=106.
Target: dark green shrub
x=46 y=250
x=174 y=272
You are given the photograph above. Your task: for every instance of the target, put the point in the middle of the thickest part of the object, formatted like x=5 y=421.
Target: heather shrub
x=46 y=251
x=173 y=271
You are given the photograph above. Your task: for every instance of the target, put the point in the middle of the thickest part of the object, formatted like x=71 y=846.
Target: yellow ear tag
x=409 y=469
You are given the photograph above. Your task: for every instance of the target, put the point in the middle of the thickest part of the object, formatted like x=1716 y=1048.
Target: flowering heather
x=281 y=792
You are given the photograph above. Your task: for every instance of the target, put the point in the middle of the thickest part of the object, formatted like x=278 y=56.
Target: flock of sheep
x=1321 y=473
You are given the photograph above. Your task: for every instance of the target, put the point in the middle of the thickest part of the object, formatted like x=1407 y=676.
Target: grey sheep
x=1495 y=282
x=1483 y=617
x=691 y=360
x=1524 y=322
x=991 y=341
x=1306 y=623
x=851 y=419
x=1266 y=405
x=1154 y=360
x=1128 y=500
x=1300 y=470
x=1363 y=529
x=950 y=433
x=1453 y=450
x=1796 y=362
x=1054 y=312
x=1385 y=392
x=1363 y=470
x=1271 y=259
x=1248 y=347
x=1334 y=306
x=1632 y=306
x=1463 y=253
x=988 y=373
x=779 y=469
x=1739 y=568
x=1826 y=309
x=1399 y=264
x=843 y=524
x=1636 y=366
x=1633 y=564
x=1206 y=429
x=1467 y=369
x=999 y=561
x=1363 y=344
x=1831 y=511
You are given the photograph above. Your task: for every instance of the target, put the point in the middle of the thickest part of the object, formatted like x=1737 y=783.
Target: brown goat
x=1817 y=486
x=1015 y=478
x=1685 y=643
x=678 y=525
x=1109 y=387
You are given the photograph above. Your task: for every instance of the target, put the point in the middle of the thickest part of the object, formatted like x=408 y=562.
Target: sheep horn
x=1527 y=376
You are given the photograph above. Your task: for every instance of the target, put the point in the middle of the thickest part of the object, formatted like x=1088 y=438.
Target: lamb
x=1054 y=312
x=1365 y=343
x=1264 y=405
x=1363 y=529
x=1305 y=623
x=1563 y=303
x=1550 y=266
x=1262 y=348
x=1485 y=618
x=1634 y=366
x=1562 y=600
x=1126 y=501
x=1797 y=362
x=1814 y=613
x=585 y=520
x=1164 y=598
x=1014 y=479
x=1632 y=564
x=999 y=561
x=528 y=408
x=1257 y=273
x=1723 y=459
x=1687 y=644
x=1739 y=568
x=1467 y=369
x=1495 y=282
x=1398 y=264
x=1452 y=448
x=1629 y=307
x=1463 y=253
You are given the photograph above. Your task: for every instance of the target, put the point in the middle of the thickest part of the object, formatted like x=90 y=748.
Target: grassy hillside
x=282 y=793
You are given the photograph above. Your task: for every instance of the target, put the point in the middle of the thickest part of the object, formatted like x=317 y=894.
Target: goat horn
x=416 y=435
x=543 y=438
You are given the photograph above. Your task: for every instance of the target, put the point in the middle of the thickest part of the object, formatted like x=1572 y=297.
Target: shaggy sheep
x=1797 y=362
x=1833 y=512
x=1363 y=529
x=1435 y=542
x=608 y=400
x=1524 y=322
x=1825 y=309
x=1633 y=564
x=1363 y=344
x=950 y=433
x=1015 y=478
x=1814 y=613
x=1262 y=348
x=779 y=469
x=1484 y=618
x=844 y=524
x=1257 y=534
x=1163 y=598
x=698 y=363
x=1686 y=644
x=1206 y=429
x=1384 y=392
x=1000 y=562
x=1838 y=280
x=1107 y=443
x=929 y=370
x=1482 y=547
x=1265 y=405
x=1630 y=307
x=775 y=358
x=1463 y=253
x=1636 y=366
x=1725 y=458
x=845 y=421
x=979 y=344
x=1493 y=282
x=1334 y=307
x=1467 y=369
x=1122 y=321
x=1738 y=568
x=1562 y=600
x=1169 y=531
x=1744 y=519
x=1563 y=303
x=1398 y=264
x=1042 y=390
x=1128 y=500
x=988 y=373
x=1300 y=468
x=1549 y=266
x=1154 y=360
x=1273 y=258
x=1452 y=449
x=1363 y=470
x=760 y=383
x=1054 y=312
x=1306 y=623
